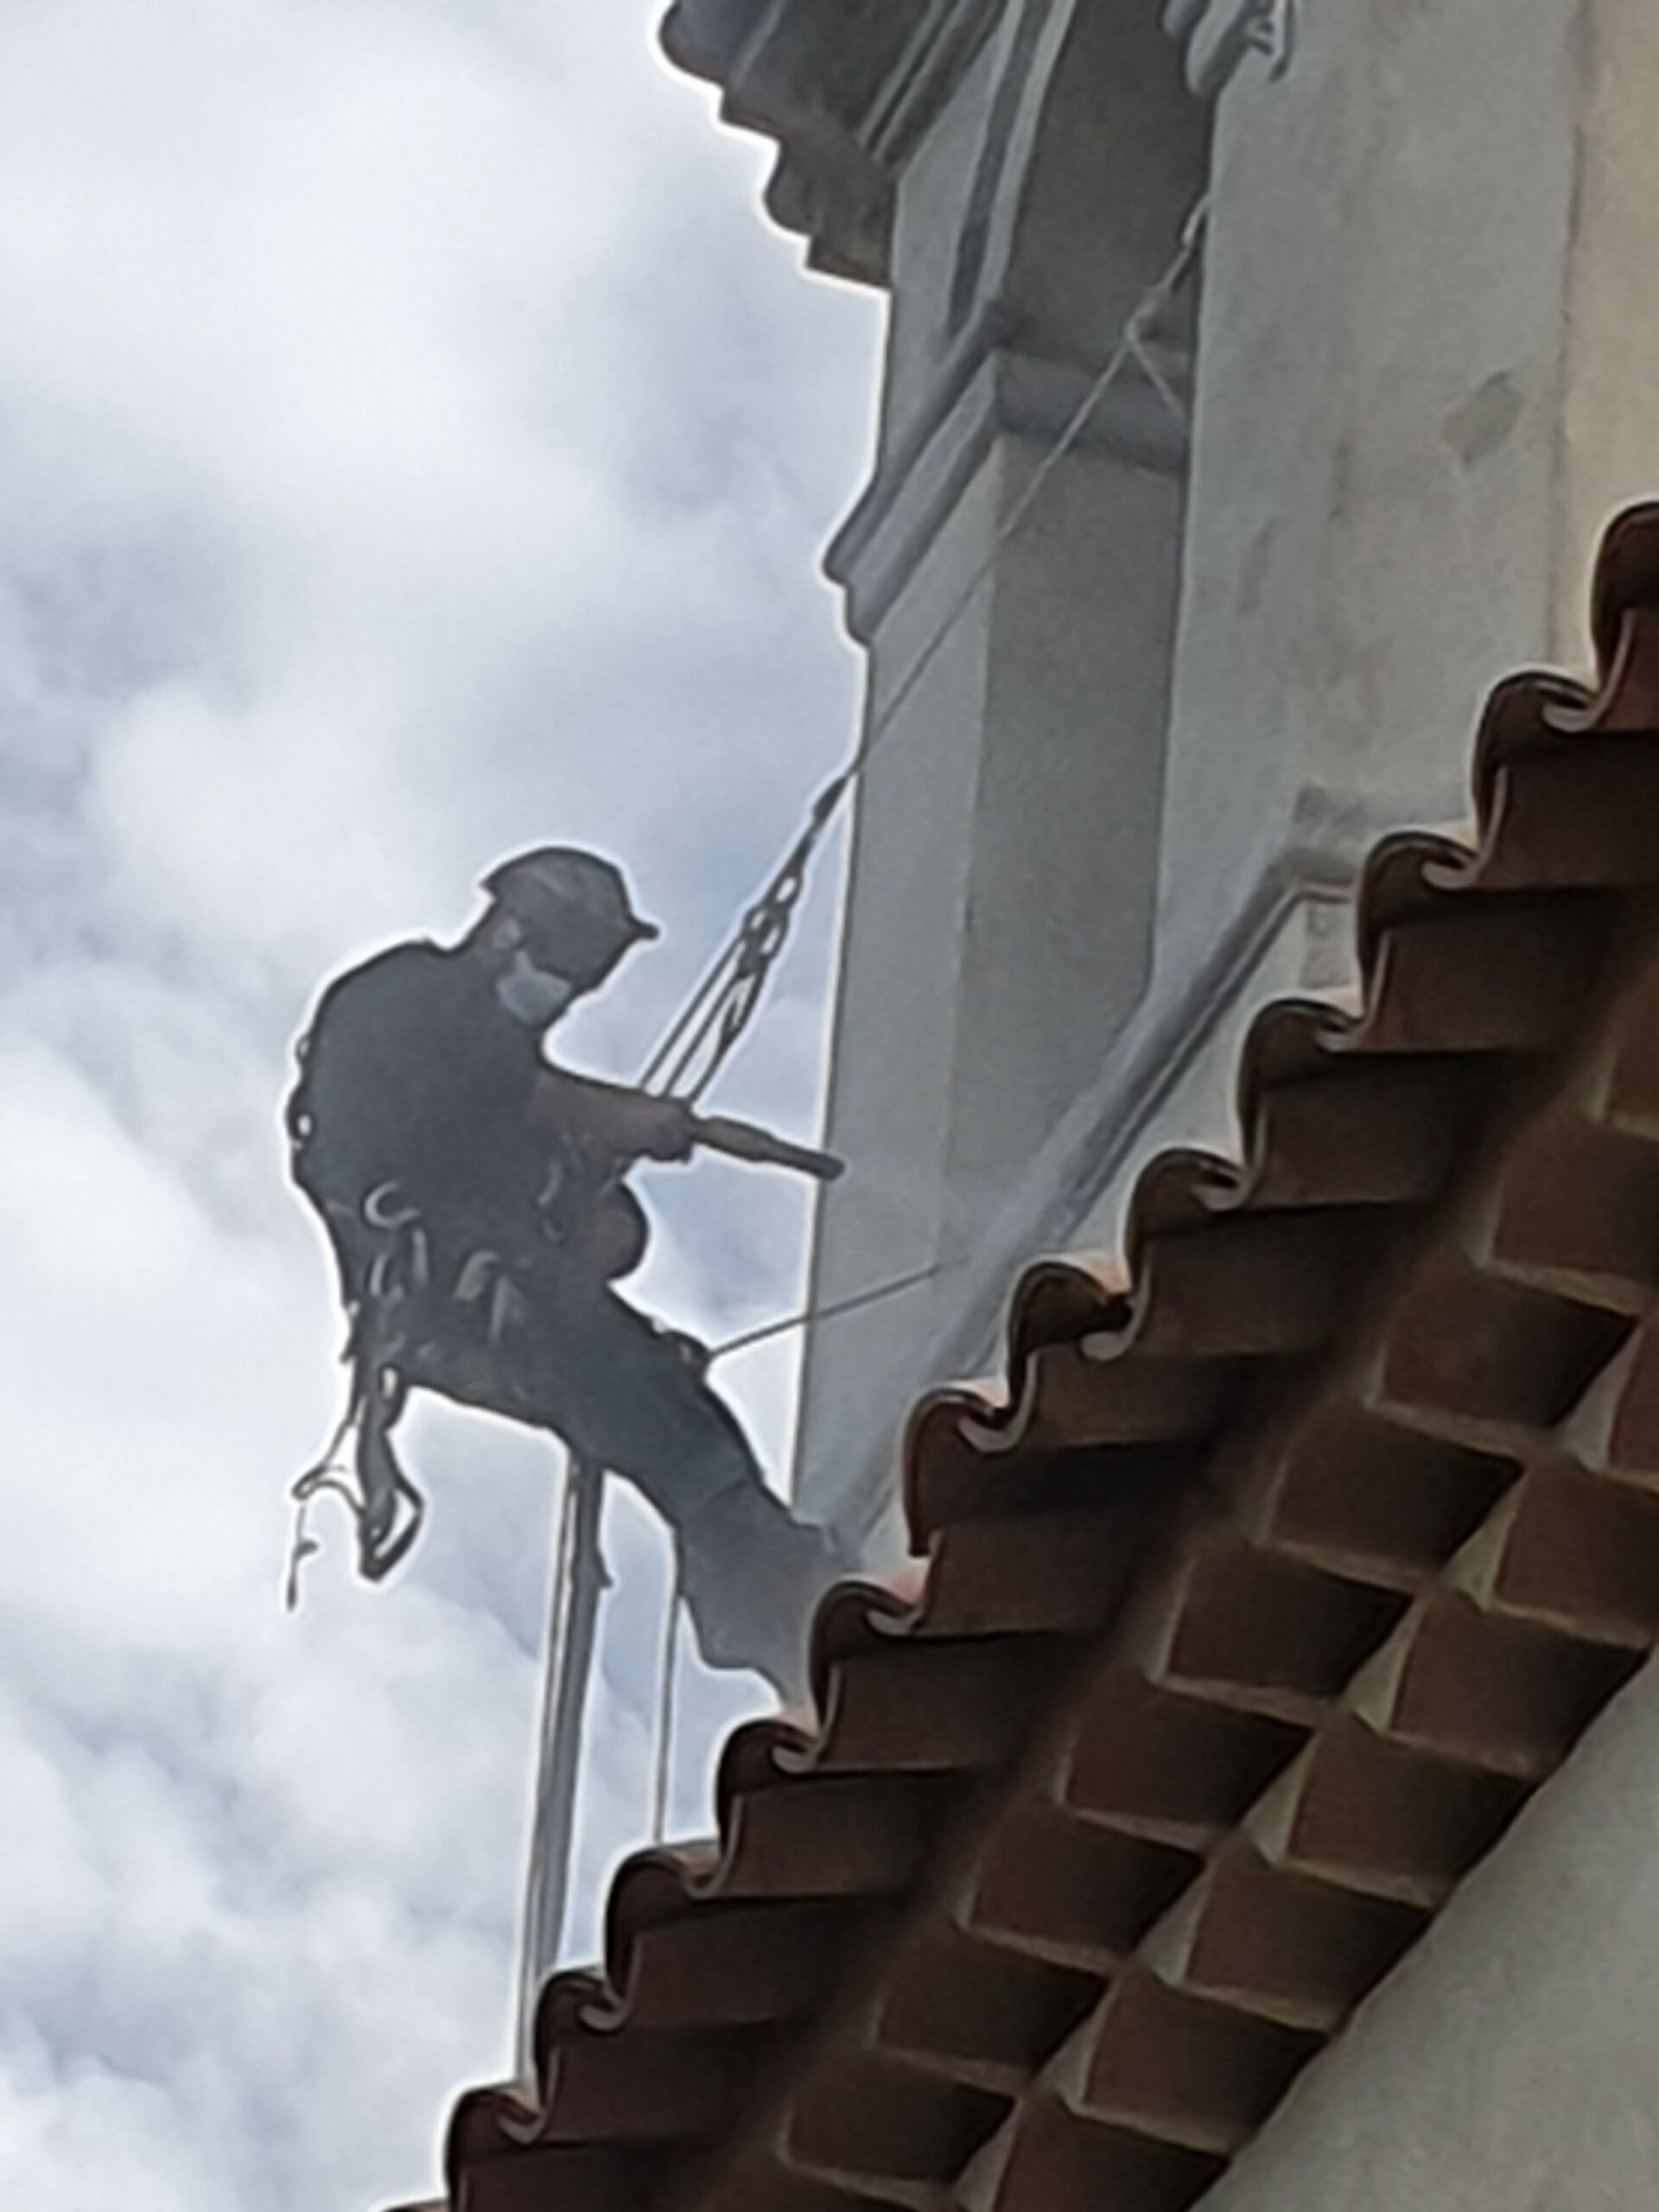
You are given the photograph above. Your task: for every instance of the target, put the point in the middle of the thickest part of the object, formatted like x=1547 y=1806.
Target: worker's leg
x=583 y=1363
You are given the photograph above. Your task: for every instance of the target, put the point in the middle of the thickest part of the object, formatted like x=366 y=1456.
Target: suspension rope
x=855 y=1302
x=720 y=1008
x=701 y=1037
x=563 y=1556
x=662 y=1774
x=558 y=1632
x=581 y=1580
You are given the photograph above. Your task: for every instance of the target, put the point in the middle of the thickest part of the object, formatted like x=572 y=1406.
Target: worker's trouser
x=550 y=1348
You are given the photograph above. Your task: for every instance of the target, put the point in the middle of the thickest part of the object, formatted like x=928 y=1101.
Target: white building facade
x=1135 y=726
x=1355 y=475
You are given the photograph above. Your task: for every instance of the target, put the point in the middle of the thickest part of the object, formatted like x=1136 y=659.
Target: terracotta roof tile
x=1278 y=1574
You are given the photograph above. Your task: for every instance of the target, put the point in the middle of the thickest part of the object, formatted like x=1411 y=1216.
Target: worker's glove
x=662 y=1128
x=691 y=1351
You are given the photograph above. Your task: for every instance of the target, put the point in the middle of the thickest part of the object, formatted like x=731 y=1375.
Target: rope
x=724 y=1002
x=663 y=1771
x=327 y=1473
x=580 y=1582
x=562 y=1558
x=558 y=1629
x=854 y=1303
x=720 y=1008
x=703 y=1034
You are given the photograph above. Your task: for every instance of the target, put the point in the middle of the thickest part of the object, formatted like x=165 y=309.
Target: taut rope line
x=692 y=1052
x=720 y=1009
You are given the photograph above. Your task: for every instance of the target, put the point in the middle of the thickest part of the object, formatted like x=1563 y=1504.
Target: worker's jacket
x=412 y=1105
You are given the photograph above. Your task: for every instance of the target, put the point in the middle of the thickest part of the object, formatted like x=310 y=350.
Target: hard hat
x=575 y=902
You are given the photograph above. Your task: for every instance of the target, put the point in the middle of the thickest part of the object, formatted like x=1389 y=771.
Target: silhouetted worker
x=473 y=1194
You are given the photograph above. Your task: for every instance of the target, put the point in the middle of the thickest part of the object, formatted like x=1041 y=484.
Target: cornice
x=942 y=50
x=1218 y=36
x=845 y=87
x=993 y=387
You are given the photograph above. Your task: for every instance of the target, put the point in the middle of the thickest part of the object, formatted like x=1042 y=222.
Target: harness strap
x=357 y=1465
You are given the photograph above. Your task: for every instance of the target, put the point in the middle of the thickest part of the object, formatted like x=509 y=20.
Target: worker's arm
x=626 y=1122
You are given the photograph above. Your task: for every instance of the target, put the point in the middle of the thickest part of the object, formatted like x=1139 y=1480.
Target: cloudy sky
x=413 y=444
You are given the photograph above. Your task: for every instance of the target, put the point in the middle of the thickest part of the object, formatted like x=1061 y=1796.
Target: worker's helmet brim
x=576 y=901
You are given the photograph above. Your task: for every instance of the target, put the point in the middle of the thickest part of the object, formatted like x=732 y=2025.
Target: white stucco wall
x=1427 y=372
x=1610 y=431
x=1306 y=951
x=999 y=925
x=1014 y=804
x=1378 y=426
x=1511 y=2063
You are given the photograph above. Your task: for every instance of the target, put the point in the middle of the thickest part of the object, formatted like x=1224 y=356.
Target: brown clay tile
x=577 y=2178
x=955 y=1479
x=651 y=2089
x=827 y=1836
x=1575 y=818
x=1071 y=1889
x=955 y=2001
x=1633 y=1438
x=876 y=2116
x=1356 y=1490
x=1280 y=1572
x=926 y=1707
x=1366 y=1132
x=1157 y=1759
x=1507 y=977
x=1577 y=1552
x=1058 y=2161
x=1362 y=1811
x=1057 y=1573
x=1624 y=594
x=765 y=2185
x=1631 y=1098
x=1577 y=1210
x=1249 y=1619
x=736 y=1966
x=1475 y=1344
x=1179 y=2066
x=1282 y=1946
x=1068 y=1407
x=1253 y=1287
x=1503 y=1696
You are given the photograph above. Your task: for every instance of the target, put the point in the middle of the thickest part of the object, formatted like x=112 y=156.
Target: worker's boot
x=752 y=1576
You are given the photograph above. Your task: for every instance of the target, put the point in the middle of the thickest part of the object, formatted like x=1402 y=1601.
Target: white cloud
x=413 y=446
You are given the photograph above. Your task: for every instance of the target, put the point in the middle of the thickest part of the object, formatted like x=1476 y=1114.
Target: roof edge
x=843 y=90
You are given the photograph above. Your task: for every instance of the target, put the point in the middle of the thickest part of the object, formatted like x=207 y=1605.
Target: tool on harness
x=385 y=1506
x=396 y=1307
x=393 y=1254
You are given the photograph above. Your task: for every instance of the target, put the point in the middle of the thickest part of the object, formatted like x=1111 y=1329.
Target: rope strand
x=855 y=1302
x=702 y=1035
x=663 y=1773
x=726 y=999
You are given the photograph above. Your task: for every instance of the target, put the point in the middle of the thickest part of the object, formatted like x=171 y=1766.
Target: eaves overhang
x=1282 y=1569
x=844 y=87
